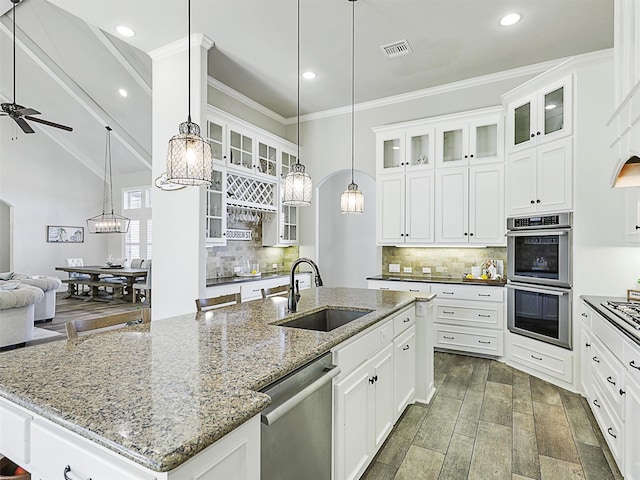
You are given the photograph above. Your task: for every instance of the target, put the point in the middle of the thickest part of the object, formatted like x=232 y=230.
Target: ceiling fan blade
x=51 y=124
x=23 y=125
x=27 y=111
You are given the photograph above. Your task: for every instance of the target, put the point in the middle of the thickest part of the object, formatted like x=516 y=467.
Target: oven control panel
x=542 y=221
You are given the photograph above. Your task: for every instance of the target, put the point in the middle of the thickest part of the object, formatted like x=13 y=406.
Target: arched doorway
x=6 y=223
x=346 y=244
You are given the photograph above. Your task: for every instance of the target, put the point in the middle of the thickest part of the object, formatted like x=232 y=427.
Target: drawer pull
x=448 y=312
x=622 y=392
x=481 y=341
x=413 y=290
x=384 y=288
x=584 y=315
x=405 y=348
x=587 y=344
x=596 y=359
x=484 y=294
x=611 y=380
x=67 y=469
x=484 y=316
x=447 y=293
x=595 y=402
x=610 y=432
x=448 y=338
x=632 y=363
x=406 y=320
x=536 y=358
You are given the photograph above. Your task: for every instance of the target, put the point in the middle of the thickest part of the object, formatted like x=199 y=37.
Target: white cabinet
x=549 y=362
x=462 y=142
x=216 y=210
x=469 y=318
x=539 y=180
x=404 y=364
x=281 y=228
x=405 y=149
x=540 y=116
x=632 y=411
x=404 y=208
x=363 y=413
x=632 y=214
x=470 y=205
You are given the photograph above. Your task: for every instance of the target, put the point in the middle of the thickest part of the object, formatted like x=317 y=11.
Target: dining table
x=96 y=276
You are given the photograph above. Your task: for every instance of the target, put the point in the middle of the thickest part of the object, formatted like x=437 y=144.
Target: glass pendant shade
x=189 y=160
x=352 y=200
x=297 y=187
x=162 y=183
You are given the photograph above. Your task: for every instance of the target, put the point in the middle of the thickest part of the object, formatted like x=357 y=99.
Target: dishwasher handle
x=273 y=416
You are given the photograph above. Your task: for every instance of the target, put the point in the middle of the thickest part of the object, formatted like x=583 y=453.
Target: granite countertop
x=440 y=279
x=217 y=281
x=595 y=301
x=160 y=393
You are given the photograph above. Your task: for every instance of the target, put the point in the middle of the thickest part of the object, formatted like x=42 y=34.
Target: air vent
x=396 y=49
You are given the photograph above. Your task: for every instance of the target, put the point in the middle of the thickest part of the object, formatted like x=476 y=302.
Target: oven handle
x=537 y=233
x=558 y=293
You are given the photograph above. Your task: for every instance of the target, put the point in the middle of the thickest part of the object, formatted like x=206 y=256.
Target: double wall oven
x=539 y=271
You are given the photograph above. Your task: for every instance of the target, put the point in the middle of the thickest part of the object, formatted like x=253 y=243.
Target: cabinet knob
x=224 y=234
x=465 y=234
x=533 y=135
x=533 y=201
x=637 y=227
x=538 y=201
x=471 y=156
x=471 y=234
x=537 y=133
x=466 y=156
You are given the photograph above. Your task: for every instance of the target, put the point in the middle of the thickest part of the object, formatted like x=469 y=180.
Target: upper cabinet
x=469 y=141
x=405 y=149
x=216 y=213
x=540 y=116
x=216 y=132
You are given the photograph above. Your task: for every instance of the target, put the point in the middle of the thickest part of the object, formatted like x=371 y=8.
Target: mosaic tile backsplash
x=221 y=260
x=456 y=261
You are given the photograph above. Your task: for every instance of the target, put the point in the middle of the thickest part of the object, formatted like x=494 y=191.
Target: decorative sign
x=238 y=234
x=633 y=295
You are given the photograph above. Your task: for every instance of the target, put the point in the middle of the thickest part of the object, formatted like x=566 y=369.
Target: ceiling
x=71 y=62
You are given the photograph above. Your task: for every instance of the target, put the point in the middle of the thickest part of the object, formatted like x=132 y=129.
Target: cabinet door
x=420 y=148
x=216 y=216
x=452 y=145
x=404 y=365
x=632 y=432
x=632 y=214
x=382 y=368
x=287 y=159
x=390 y=152
x=390 y=213
x=267 y=164
x=353 y=429
x=241 y=145
x=521 y=119
x=486 y=205
x=216 y=135
x=586 y=353
x=486 y=140
x=521 y=183
x=452 y=199
x=554 y=176
x=419 y=221
x=554 y=111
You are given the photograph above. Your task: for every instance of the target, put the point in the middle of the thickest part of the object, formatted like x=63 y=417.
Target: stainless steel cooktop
x=626 y=314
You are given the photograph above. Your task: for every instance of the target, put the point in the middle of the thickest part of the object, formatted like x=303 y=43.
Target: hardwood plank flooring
x=490 y=421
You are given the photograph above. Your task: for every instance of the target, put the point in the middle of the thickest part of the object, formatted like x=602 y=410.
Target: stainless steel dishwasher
x=297 y=427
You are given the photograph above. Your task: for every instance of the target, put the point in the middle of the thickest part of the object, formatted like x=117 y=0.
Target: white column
x=179 y=254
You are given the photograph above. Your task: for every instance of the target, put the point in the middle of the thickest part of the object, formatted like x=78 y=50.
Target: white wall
x=46 y=186
x=5 y=237
x=347 y=251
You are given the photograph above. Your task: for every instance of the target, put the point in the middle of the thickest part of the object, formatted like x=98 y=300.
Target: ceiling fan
x=18 y=113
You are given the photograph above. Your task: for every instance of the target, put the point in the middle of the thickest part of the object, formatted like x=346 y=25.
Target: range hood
x=628 y=175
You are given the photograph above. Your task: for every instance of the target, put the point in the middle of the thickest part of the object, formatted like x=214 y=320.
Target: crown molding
x=180 y=45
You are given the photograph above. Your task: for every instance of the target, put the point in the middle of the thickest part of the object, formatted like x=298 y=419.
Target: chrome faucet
x=294 y=294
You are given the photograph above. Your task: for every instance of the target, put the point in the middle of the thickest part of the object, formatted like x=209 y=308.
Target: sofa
x=17 y=301
x=45 y=310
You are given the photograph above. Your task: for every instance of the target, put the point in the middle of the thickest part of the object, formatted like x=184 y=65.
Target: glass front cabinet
x=216 y=209
x=405 y=150
x=467 y=142
x=281 y=229
x=542 y=116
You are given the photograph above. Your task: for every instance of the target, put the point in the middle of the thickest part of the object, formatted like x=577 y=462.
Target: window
x=137 y=206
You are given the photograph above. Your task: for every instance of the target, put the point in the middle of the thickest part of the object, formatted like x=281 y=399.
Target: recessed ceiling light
x=510 y=19
x=309 y=75
x=125 y=31
x=123 y=92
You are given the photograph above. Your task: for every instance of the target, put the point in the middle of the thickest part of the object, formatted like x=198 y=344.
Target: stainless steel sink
x=326 y=320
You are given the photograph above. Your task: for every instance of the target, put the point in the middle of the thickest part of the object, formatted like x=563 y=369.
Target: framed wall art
x=63 y=234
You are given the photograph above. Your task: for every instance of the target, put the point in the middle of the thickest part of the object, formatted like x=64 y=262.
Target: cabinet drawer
x=607 y=372
x=465 y=292
x=542 y=358
x=398 y=286
x=610 y=425
x=609 y=335
x=364 y=346
x=631 y=355
x=403 y=321
x=488 y=317
x=14 y=433
x=469 y=340
x=251 y=291
x=85 y=459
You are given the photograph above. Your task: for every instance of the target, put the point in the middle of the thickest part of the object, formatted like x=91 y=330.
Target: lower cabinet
x=632 y=433
x=404 y=366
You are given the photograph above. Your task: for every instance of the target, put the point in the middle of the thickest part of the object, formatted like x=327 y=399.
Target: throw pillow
x=6 y=275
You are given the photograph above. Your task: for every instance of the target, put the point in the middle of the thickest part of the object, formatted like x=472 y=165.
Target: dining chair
x=143 y=285
x=137 y=263
x=109 y=322
x=275 y=291
x=204 y=304
x=76 y=288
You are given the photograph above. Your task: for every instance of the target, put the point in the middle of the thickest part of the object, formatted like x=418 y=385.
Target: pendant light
x=108 y=222
x=163 y=184
x=352 y=200
x=189 y=160
x=297 y=184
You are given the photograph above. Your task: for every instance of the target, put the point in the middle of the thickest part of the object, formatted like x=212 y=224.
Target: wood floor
x=490 y=421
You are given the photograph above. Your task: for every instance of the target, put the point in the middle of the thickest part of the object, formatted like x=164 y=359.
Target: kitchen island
x=158 y=394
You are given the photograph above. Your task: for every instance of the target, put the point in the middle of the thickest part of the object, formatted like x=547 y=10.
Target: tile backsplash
x=221 y=260
x=456 y=261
